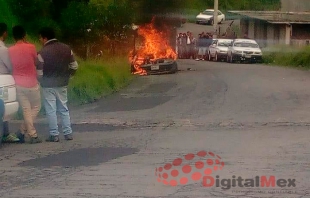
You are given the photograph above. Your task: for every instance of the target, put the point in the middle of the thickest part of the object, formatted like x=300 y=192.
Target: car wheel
x=231 y=59
x=209 y=56
x=175 y=68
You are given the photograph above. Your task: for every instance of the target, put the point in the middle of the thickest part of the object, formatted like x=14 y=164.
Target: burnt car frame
x=157 y=66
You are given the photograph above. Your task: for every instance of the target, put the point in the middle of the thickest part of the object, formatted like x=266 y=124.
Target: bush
x=290 y=57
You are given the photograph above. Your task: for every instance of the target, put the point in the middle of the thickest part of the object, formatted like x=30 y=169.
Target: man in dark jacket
x=57 y=65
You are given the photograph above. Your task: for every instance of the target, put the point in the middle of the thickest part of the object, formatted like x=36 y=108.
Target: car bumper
x=252 y=58
x=203 y=21
x=164 y=68
x=222 y=55
x=10 y=109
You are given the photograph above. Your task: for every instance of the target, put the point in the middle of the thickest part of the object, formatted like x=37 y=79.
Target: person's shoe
x=35 y=140
x=20 y=136
x=68 y=137
x=52 y=138
x=11 y=138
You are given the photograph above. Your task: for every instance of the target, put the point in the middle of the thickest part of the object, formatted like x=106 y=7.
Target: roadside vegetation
x=288 y=56
x=100 y=33
x=98 y=78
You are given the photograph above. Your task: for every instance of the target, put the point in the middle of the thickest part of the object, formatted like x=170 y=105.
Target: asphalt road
x=253 y=117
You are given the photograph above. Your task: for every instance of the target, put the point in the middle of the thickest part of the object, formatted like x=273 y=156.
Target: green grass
x=288 y=56
x=97 y=78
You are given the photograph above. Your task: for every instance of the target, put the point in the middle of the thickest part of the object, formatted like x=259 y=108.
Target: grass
x=97 y=78
x=288 y=56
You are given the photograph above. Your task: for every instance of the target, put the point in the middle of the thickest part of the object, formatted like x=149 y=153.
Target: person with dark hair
x=5 y=63
x=5 y=68
x=23 y=56
x=58 y=64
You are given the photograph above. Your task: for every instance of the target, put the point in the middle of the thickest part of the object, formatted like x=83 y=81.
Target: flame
x=155 y=46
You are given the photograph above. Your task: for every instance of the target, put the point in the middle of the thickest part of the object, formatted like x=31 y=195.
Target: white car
x=8 y=96
x=207 y=16
x=218 y=49
x=244 y=50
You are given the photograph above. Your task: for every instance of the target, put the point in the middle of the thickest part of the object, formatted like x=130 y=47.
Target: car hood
x=203 y=16
x=223 y=48
x=247 y=49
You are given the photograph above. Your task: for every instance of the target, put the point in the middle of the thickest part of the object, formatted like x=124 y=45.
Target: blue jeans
x=55 y=99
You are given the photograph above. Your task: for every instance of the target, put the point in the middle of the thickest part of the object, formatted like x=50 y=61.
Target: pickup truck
x=8 y=101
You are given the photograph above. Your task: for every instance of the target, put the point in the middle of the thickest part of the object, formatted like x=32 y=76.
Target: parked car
x=207 y=17
x=244 y=50
x=8 y=102
x=218 y=49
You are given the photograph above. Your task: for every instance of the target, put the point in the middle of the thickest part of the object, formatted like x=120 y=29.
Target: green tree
x=33 y=14
x=86 y=25
x=59 y=5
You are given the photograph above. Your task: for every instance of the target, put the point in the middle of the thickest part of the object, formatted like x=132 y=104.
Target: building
x=290 y=25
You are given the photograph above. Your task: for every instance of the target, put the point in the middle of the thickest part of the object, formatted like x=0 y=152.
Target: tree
x=60 y=5
x=33 y=14
x=86 y=25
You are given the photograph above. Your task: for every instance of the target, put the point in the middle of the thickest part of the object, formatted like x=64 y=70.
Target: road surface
x=254 y=117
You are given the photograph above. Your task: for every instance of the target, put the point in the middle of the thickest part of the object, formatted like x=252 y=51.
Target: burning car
x=149 y=66
x=154 y=55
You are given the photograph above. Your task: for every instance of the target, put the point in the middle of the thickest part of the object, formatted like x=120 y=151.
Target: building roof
x=276 y=16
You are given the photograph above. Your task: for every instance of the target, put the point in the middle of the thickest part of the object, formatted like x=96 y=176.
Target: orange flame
x=155 y=46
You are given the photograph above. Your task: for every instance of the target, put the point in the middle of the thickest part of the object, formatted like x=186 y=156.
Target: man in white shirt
x=5 y=68
x=5 y=63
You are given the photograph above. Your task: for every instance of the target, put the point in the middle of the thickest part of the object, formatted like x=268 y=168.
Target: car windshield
x=224 y=43
x=252 y=45
x=207 y=12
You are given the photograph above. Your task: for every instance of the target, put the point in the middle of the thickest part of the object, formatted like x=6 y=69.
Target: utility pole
x=215 y=17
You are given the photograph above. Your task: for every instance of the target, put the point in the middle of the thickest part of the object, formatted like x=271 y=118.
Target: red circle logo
x=192 y=167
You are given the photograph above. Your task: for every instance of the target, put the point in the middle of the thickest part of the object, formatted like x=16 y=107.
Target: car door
x=220 y=16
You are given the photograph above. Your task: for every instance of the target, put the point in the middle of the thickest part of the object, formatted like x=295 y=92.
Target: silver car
x=218 y=49
x=244 y=50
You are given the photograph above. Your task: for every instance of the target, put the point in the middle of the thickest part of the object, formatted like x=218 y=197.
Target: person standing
x=183 y=46
x=57 y=64
x=23 y=56
x=201 y=47
x=6 y=69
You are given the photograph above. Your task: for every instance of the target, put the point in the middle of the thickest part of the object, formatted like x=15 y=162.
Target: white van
x=8 y=96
